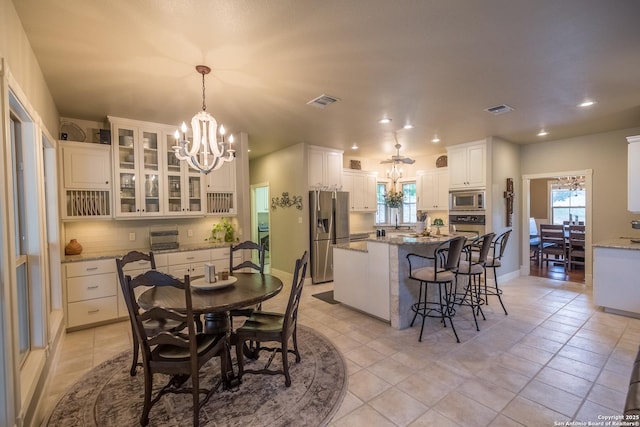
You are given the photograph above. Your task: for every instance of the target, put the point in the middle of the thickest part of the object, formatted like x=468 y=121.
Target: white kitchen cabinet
x=221 y=190
x=324 y=168
x=361 y=187
x=616 y=283
x=433 y=190
x=184 y=187
x=90 y=292
x=633 y=174
x=138 y=168
x=467 y=165
x=190 y=262
x=86 y=183
x=262 y=199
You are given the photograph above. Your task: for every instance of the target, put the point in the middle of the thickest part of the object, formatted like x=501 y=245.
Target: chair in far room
x=576 y=246
x=552 y=244
x=534 y=240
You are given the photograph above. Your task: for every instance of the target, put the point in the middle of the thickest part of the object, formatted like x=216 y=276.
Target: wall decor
x=286 y=202
x=355 y=164
x=509 y=195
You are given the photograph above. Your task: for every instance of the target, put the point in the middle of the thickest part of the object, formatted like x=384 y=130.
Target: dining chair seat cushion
x=153 y=326
x=467 y=267
x=428 y=274
x=534 y=241
x=262 y=321
x=205 y=342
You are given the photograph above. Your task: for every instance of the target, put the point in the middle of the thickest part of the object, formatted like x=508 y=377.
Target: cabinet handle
x=91 y=268
x=93 y=311
x=93 y=287
x=106 y=182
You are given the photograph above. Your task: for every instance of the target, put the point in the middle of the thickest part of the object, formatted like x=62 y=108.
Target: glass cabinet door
x=127 y=171
x=150 y=151
x=174 y=182
x=195 y=194
x=151 y=194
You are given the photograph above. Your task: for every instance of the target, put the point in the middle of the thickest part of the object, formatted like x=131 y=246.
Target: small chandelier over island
x=205 y=153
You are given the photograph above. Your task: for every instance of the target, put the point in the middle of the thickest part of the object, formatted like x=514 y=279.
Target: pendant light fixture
x=205 y=152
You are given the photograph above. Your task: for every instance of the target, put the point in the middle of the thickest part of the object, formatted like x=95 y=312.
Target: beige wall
x=505 y=163
x=539 y=196
x=606 y=154
x=285 y=171
x=21 y=62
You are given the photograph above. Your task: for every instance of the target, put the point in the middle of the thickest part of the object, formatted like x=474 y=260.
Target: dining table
x=215 y=300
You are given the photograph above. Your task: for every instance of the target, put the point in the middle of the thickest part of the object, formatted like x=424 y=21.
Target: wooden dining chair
x=576 y=246
x=179 y=355
x=151 y=325
x=552 y=244
x=259 y=250
x=264 y=326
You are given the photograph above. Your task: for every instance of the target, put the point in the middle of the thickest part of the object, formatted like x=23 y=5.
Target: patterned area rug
x=108 y=396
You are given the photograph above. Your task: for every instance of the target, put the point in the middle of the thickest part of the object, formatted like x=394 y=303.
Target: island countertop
x=619 y=243
x=401 y=239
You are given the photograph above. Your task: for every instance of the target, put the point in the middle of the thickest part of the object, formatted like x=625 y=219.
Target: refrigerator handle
x=317 y=200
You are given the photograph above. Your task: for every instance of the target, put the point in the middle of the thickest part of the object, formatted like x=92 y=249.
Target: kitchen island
x=616 y=276
x=373 y=275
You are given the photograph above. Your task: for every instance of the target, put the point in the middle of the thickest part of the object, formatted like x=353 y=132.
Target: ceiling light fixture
x=205 y=153
x=394 y=174
x=435 y=139
x=542 y=133
x=354 y=146
x=586 y=104
x=408 y=126
x=384 y=120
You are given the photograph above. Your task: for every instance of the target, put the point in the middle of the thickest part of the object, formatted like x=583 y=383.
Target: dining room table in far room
x=216 y=300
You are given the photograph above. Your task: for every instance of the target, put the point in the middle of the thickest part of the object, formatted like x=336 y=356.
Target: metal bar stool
x=473 y=270
x=493 y=261
x=442 y=274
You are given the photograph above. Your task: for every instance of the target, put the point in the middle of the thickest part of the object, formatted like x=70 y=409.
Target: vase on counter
x=394 y=216
x=73 y=248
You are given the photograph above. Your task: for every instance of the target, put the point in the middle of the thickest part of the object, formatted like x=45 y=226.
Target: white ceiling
x=434 y=63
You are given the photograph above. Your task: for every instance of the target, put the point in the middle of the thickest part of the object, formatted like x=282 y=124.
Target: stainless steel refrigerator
x=329 y=211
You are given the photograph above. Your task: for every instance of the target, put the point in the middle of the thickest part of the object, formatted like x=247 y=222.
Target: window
x=409 y=202
x=381 y=211
x=24 y=326
x=567 y=205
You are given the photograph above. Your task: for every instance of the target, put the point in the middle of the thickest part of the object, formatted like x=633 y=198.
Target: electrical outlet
x=299 y=220
x=132 y=237
x=189 y=233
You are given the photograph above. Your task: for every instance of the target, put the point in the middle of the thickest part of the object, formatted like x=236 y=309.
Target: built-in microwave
x=468 y=200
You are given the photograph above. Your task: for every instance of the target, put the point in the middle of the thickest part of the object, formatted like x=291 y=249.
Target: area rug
x=326 y=297
x=109 y=396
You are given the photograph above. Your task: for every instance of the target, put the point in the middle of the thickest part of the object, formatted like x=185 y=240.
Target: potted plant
x=394 y=199
x=223 y=231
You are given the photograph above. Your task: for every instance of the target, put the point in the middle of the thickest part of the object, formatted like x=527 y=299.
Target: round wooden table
x=248 y=290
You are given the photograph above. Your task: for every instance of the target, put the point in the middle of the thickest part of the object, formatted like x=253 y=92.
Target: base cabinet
x=616 y=284
x=91 y=292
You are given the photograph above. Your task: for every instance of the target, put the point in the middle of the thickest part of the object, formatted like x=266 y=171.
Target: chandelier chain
x=204 y=106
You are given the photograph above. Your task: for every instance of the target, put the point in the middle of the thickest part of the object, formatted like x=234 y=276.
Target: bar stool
x=442 y=274
x=472 y=267
x=494 y=261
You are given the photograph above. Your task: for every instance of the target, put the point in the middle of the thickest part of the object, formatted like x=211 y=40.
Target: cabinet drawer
x=189 y=257
x=92 y=311
x=220 y=253
x=136 y=267
x=162 y=260
x=179 y=271
x=91 y=287
x=87 y=268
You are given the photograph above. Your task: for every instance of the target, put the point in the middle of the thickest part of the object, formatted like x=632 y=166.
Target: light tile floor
x=556 y=357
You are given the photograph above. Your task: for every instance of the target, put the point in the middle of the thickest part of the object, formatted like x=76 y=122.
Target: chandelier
x=571 y=183
x=394 y=174
x=205 y=153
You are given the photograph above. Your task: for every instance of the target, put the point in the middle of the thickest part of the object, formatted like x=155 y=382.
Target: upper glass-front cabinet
x=137 y=165
x=185 y=189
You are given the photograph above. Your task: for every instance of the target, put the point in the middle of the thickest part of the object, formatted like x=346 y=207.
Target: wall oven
x=467 y=200
x=468 y=221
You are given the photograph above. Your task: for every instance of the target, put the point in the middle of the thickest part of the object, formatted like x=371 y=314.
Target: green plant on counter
x=438 y=221
x=223 y=231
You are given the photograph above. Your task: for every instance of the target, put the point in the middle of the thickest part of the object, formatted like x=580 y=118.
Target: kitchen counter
x=90 y=256
x=619 y=243
x=616 y=282
x=372 y=275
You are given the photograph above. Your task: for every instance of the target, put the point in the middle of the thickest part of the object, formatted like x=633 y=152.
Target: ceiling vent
x=323 y=101
x=499 y=109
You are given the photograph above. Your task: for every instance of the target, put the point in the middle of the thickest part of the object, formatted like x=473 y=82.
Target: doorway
x=260 y=219
x=538 y=190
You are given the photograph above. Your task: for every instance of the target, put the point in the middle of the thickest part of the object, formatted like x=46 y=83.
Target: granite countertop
x=400 y=239
x=359 y=246
x=91 y=256
x=619 y=243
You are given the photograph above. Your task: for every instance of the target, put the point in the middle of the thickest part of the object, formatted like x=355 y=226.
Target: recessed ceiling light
x=354 y=146
x=587 y=104
x=542 y=133
x=249 y=150
x=435 y=139
x=384 y=120
x=408 y=126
